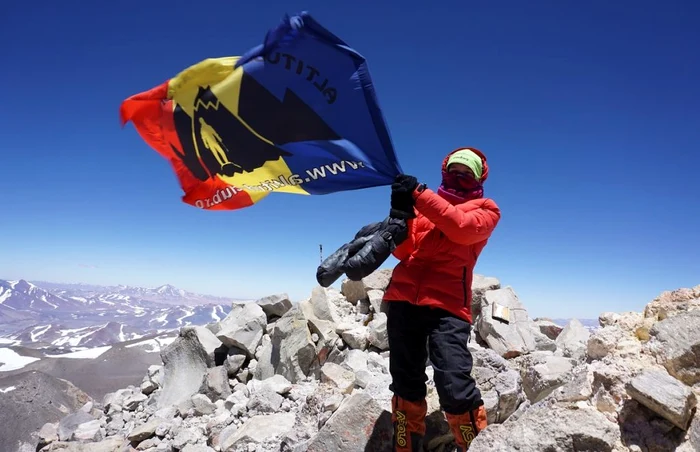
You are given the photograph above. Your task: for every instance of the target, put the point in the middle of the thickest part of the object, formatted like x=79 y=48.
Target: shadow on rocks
x=437 y=434
x=642 y=427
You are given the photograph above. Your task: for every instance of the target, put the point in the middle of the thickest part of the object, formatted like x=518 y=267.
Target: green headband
x=468 y=158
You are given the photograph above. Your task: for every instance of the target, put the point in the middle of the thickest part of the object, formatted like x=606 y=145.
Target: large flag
x=296 y=114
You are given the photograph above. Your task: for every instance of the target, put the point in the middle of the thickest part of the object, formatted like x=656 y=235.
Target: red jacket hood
x=485 y=171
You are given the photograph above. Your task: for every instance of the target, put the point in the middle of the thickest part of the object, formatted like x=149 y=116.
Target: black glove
x=402 y=201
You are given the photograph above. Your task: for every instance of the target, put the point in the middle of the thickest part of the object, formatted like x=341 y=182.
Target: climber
x=429 y=297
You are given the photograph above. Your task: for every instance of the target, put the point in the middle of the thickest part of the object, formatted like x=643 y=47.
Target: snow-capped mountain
x=86 y=316
x=165 y=294
x=89 y=336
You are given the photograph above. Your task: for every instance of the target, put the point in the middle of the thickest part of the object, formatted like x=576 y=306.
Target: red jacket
x=438 y=258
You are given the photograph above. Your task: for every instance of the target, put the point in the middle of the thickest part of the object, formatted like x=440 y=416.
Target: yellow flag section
x=224 y=80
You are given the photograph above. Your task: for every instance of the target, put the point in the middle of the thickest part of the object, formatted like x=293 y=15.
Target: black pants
x=409 y=327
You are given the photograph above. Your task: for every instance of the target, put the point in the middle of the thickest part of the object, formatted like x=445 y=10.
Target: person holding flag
x=429 y=297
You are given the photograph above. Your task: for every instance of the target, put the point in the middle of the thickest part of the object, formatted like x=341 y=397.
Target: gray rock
x=676 y=345
x=356 y=360
x=480 y=285
x=325 y=330
x=147 y=387
x=243 y=327
x=359 y=425
x=186 y=361
x=277 y=383
x=507 y=339
x=197 y=448
x=259 y=429
x=578 y=387
x=375 y=362
x=202 y=405
x=275 y=305
x=604 y=341
x=234 y=361
x=550 y=427
x=48 y=433
x=216 y=385
x=572 y=342
x=376 y=301
x=184 y=437
x=548 y=328
x=357 y=338
x=664 y=395
x=353 y=291
x=322 y=306
x=378 y=335
x=542 y=341
x=145 y=431
x=378 y=280
x=265 y=400
x=69 y=424
x=542 y=374
x=293 y=351
x=88 y=431
x=338 y=376
x=133 y=402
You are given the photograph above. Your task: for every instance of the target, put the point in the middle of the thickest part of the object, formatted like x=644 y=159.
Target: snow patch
x=90 y=353
x=11 y=360
x=7 y=389
x=34 y=334
x=4 y=294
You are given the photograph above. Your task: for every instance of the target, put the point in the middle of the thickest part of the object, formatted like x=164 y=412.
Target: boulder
x=243 y=327
x=378 y=280
x=275 y=305
x=353 y=291
x=259 y=429
x=604 y=341
x=480 y=285
x=338 y=376
x=507 y=339
x=676 y=345
x=551 y=427
x=186 y=361
x=378 y=335
x=293 y=351
x=664 y=395
x=360 y=424
x=548 y=328
x=69 y=424
x=357 y=337
x=542 y=374
x=323 y=305
x=216 y=385
x=670 y=303
x=572 y=342
x=376 y=301
x=144 y=431
x=577 y=388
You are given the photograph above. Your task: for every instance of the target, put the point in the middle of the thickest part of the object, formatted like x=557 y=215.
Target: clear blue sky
x=588 y=112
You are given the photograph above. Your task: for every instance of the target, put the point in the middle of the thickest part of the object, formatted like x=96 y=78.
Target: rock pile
x=273 y=376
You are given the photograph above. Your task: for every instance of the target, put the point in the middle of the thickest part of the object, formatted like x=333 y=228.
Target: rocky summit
x=314 y=376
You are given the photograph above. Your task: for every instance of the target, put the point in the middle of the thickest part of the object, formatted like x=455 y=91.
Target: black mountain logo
x=215 y=142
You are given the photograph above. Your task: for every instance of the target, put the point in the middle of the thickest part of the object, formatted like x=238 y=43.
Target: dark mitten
x=402 y=201
x=376 y=249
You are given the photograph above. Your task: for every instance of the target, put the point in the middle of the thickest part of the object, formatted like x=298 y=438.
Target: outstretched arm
x=465 y=224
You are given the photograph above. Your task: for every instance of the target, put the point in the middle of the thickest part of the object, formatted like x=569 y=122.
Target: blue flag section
x=296 y=114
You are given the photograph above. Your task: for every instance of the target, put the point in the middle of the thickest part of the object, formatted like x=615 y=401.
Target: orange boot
x=408 y=419
x=466 y=426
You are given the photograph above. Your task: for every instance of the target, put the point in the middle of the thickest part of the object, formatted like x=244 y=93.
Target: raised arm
x=467 y=223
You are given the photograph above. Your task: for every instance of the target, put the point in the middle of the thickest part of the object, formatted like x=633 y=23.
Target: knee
x=457 y=391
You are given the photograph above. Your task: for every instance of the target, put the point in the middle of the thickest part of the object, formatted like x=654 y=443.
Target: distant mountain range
x=78 y=315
